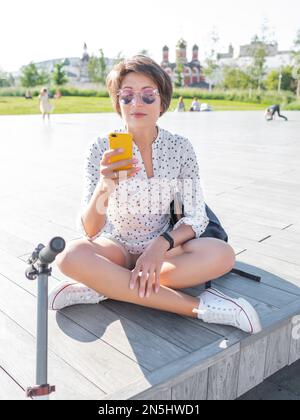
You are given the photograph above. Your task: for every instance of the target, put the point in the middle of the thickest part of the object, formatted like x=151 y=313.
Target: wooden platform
x=121 y=351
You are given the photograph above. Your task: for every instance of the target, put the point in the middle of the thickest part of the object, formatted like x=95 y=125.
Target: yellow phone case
x=121 y=141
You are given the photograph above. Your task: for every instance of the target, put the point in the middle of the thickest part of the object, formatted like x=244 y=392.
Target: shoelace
x=86 y=295
x=222 y=315
x=213 y=313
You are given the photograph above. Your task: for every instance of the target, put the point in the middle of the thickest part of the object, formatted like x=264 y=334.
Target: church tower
x=181 y=51
x=195 y=54
x=165 y=61
x=84 y=62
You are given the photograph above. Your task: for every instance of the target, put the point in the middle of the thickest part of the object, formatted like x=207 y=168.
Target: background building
x=275 y=59
x=76 y=68
x=192 y=70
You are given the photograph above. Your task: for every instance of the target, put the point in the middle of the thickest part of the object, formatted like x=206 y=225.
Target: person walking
x=45 y=106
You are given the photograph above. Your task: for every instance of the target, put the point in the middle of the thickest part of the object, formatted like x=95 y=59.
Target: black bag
x=214 y=228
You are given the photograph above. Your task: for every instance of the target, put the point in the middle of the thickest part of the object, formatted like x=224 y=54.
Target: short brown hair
x=148 y=67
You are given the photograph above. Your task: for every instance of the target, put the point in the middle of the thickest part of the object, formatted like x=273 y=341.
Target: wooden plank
x=193 y=388
x=278 y=350
x=286 y=238
x=14 y=245
x=97 y=361
x=32 y=229
x=17 y=357
x=223 y=379
x=258 y=291
x=252 y=365
x=126 y=336
x=252 y=206
x=13 y=268
x=9 y=389
x=253 y=231
x=176 y=373
x=282 y=253
x=279 y=274
x=171 y=327
x=295 y=228
x=295 y=340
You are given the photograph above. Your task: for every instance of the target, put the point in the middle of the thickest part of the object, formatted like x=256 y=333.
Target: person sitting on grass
x=130 y=252
x=195 y=107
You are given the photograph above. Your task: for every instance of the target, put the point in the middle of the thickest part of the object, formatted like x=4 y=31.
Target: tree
x=6 y=79
x=211 y=65
x=44 y=78
x=59 y=75
x=179 y=76
x=119 y=57
x=235 y=78
x=257 y=70
x=144 y=52
x=287 y=81
x=30 y=76
x=296 y=67
x=97 y=68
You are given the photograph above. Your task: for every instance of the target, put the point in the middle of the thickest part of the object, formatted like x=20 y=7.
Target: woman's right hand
x=109 y=171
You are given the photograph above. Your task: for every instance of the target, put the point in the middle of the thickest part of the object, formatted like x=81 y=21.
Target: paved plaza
x=251 y=178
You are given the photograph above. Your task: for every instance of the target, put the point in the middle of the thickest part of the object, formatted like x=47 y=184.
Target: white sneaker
x=217 y=308
x=69 y=293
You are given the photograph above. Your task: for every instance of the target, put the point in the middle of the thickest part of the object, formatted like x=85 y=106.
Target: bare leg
x=185 y=266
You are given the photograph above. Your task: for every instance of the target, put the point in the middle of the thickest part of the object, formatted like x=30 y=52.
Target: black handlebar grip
x=48 y=254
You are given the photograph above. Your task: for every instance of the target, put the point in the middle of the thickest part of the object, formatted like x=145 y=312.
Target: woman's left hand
x=149 y=265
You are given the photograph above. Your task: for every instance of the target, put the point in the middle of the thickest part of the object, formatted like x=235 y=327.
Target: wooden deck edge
x=216 y=373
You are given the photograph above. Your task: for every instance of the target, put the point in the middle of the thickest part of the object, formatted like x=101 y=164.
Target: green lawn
x=75 y=105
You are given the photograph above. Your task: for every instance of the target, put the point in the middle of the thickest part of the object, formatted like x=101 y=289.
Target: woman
x=130 y=253
x=45 y=106
x=180 y=106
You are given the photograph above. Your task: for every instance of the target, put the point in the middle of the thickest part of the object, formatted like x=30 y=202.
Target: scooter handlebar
x=48 y=254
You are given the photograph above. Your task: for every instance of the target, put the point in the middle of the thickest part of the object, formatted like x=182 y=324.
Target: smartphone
x=121 y=141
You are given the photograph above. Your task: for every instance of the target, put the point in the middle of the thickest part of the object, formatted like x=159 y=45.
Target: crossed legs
x=102 y=265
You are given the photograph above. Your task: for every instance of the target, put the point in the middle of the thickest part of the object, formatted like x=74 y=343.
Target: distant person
x=45 y=106
x=205 y=108
x=180 y=106
x=271 y=111
x=57 y=94
x=195 y=107
x=28 y=94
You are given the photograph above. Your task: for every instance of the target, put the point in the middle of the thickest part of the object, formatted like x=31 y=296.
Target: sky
x=32 y=30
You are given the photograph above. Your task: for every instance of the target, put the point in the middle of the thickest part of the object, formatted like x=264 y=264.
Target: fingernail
x=120 y=150
x=141 y=295
x=148 y=295
x=131 y=286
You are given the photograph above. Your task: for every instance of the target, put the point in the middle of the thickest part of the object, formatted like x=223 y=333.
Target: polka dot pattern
x=139 y=208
